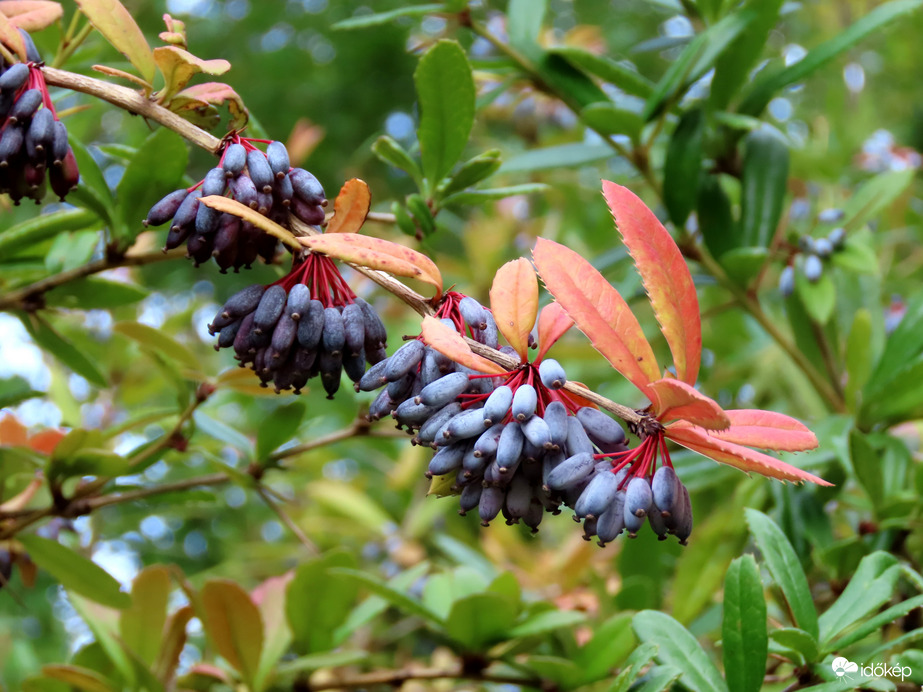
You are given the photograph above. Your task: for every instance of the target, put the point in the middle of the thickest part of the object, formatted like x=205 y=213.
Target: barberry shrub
x=592 y=250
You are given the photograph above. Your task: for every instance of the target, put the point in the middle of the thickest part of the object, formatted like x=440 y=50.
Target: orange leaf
x=675 y=400
x=350 y=207
x=234 y=625
x=232 y=206
x=216 y=94
x=12 y=432
x=738 y=456
x=598 y=311
x=514 y=301
x=665 y=275
x=45 y=441
x=376 y=253
x=552 y=323
x=114 y=22
x=451 y=344
x=31 y=15
x=767 y=430
x=10 y=37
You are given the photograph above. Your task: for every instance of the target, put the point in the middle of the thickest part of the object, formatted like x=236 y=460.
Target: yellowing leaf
x=553 y=322
x=743 y=458
x=234 y=625
x=675 y=400
x=173 y=643
x=31 y=15
x=141 y=624
x=350 y=207
x=213 y=94
x=598 y=311
x=11 y=38
x=113 y=21
x=514 y=301
x=178 y=66
x=232 y=206
x=376 y=253
x=665 y=275
x=451 y=344
x=83 y=679
x=767 y=430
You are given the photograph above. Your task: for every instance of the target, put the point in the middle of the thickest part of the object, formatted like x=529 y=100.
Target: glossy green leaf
x=373 y=606
x=71 y=250
x=494 y=194
x=785 y=568
x=742 y=264
x=366 y=21
x=858 y=356
x=45 y=226
x=479 y=620
x=560 y=156
x=62 y=349
x=819 y=297
x=659 y=679
x=524 y=20
x=391 y=152
x=745 y=643
x=92 y=192
x=574 y=87
x=733 y=68
x=141 y=624
x=422 y=214
x=115 y=23
x=157 y=340
x=609 y=119
x=866 y=462
x=75 y=572
x=14 y=390
x=89 y=461
x=317 y=602
x=233 y=625
x=876 y=622
x=796 y=640
x=445 y=90
x=679 y=649
x=472 y=171
x=156 y=169
x=634 y=664
x=874 y=196
x=278 y=428
x=869 y=588
x=767 y=86
x=611 y=643
x=400 y=600
x=763 y=179
x=547 y=621
x=443 y=589
x=716 y=222
x=683 y=166
x=94 y=293
x=625 y=78
x=856 y=256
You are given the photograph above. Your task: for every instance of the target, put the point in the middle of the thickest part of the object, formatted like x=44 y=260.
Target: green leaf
x=103 y=623
x=472 y=171
x=71 y=250
x=743 y=632
x=869 y=588
x=92 y=192
x=494 y=194
x=877 y=622
x=422 y=214
x=89 y=461
x=45 y=336
x=278 y=428
x=818 y=298
x=742 y=264
x=573 y=86
x=373 y=606
x=733 y=68
x=159 y=341
x=141 y=624
x=639 y=659
x=678 y=648
x=797 y=641
x=445 y=90
x=866 y=462
x=233 y=625
x=479 y=620
x=763 y=185
x=391 y=152
x=767 y=85
x=396 y=598
x=893 y=391
x=80 y=678
x=342 y=499
x=713 y=208
x=377 y=19
x=317 y=602
x=94 y=293
x=270 y=598
x=858 y=356
x=683 y=166
x=75 y=572
x=874 y=196
x=327 y=659
x=856 y=256
x=560 y=156
x=115 y=23
x=659 y=679
x=783 y=564
x=625 y=78
x=15 y=389
x=608 y=119
x=45 y=226
x=547 y=621
x=441 y=590
x=610 y=644
x=155 y=170
x=524 y=20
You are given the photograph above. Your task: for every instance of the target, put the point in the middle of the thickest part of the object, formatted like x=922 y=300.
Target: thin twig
x=92 y=503
x=287 y=520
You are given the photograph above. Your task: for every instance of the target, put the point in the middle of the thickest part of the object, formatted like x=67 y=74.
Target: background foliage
x=357 y=573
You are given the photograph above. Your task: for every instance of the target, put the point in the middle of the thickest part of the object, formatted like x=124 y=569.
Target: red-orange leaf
x=738 y=456
x=116 y=24
x=675 y=400
x=451 y=344
x=232 y=206
x=514 y=301
x=767 y=430
x=553 y=322
x=376 y=253
x=31 y=15
x=665 y=275
x=350 y=207
x=598 y=311
x=11 y=38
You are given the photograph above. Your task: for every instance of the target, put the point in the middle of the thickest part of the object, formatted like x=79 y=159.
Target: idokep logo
x=844 y=669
